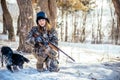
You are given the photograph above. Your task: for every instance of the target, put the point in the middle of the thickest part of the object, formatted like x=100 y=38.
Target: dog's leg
x=9 y=68
x=15 y=68
x=21 y=66
x=2 y=61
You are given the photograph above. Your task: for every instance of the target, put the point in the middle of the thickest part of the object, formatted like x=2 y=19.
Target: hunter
x=38 y=37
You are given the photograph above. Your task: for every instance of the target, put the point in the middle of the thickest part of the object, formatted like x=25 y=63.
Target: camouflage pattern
x=43 y=53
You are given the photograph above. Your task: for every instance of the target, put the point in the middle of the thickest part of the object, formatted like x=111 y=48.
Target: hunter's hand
x=36 y=45
x=38 y=39
x=45 y=43
x=45 y=36
x=47 y=50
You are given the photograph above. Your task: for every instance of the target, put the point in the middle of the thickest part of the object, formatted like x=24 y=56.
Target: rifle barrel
x=67 y=55
x=62 y=52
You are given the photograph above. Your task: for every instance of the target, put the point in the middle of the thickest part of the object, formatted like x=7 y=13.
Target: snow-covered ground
x=93 y=62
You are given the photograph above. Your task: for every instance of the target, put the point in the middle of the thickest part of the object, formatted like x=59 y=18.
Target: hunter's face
x=42 y=22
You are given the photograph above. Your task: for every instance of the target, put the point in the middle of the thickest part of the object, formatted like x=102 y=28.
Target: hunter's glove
x=36 y=45
x=45 y=36
x=38 y=39
x=41 y=40
x=30 y=41
x=45 y=43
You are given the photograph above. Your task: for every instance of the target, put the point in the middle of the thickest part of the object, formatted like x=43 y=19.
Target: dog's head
x=6 y=51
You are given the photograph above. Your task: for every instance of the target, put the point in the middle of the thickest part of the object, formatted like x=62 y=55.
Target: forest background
x=77 y=21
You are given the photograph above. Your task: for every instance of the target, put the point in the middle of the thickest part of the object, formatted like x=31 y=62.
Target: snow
x=11 y=1
x=93 y=62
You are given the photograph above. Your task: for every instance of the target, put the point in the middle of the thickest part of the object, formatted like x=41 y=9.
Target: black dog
x=13 y=60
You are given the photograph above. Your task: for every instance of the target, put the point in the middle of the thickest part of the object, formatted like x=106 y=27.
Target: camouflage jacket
x=50 y=36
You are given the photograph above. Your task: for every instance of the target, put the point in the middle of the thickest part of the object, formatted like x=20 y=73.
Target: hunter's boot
x=40 y=66
x=52 y=62
x=40 y=63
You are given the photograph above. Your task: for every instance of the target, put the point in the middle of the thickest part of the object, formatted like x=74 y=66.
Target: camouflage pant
x=46 y=58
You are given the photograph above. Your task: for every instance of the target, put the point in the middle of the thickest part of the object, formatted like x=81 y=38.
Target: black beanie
x=41 y=15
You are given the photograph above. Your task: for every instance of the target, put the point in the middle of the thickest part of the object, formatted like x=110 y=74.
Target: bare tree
x=93 y=30
x=18 y=25
x=25 y=22
x=82 y=37
x=75 y=27
x=113 y=24
x=66 y=28
x=117 y=10
x=4 y=26
x=99 y=35
x=7 y=22
x=72 y=6
x=62 y=33
x=73 y=23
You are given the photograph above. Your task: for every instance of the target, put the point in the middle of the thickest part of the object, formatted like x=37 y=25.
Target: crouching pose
x=13 y=60
x=38 y=37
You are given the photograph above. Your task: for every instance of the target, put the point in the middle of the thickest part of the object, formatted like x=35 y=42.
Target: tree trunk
x=93 y=30
x=25 y=23
x=112 y=24
x=66 y=28
x=99 y=35
x=75 y=27
x=61 y=29
x=101 y=14
x=117 y=10
x=50 y=8
x=117 y=6
x=18 y=25
x=117 y=32
x=4 y=26
x=7 y=21
x=82 y=37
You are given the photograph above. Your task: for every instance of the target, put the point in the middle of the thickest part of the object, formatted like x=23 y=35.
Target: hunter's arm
x=53 y=37
x=30 y=39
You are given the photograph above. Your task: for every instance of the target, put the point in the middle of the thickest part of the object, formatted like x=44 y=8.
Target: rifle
x=58 y=49
x=53 y=46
